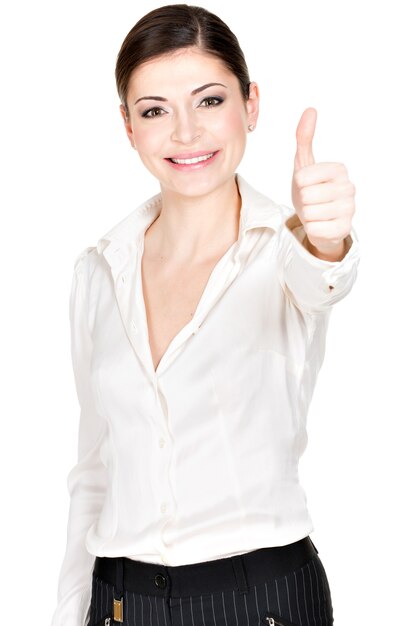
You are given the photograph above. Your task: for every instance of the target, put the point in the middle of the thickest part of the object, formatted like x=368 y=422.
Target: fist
x=322 y=194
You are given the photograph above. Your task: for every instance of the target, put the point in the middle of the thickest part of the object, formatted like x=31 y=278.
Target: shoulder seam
x=78 y=262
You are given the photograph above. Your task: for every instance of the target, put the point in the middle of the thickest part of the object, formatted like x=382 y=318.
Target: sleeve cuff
x=315 y=284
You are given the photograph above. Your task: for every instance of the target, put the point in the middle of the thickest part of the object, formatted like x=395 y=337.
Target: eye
x=211 y=101
x=154 y=112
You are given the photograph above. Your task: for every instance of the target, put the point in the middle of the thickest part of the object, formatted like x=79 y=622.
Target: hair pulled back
x=173 y=27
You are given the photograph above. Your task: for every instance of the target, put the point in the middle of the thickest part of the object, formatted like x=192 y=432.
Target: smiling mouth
x=198 y=159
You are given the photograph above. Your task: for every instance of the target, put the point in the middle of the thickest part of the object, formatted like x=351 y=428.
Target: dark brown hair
x=171 y=28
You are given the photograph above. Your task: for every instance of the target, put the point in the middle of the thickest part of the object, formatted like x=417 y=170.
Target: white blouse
x=197 y=460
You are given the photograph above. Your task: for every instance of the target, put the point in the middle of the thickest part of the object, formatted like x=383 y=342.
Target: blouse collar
x=257 y=210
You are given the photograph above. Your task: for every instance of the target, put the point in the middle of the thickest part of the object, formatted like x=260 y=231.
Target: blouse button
x=162 y=443
x=163 y=507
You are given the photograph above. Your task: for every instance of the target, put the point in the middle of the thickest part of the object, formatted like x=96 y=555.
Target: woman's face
x=188 y=105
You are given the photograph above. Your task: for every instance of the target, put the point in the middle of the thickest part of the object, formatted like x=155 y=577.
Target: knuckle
x=348 y=206
x=348 y=188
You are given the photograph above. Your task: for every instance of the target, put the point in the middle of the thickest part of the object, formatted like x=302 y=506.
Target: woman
x=198 y=329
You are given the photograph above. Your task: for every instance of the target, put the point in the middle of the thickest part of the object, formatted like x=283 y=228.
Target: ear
x=252 y=103
x=127 y=125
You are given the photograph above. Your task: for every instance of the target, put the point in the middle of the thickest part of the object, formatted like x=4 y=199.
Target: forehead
x=182 y=69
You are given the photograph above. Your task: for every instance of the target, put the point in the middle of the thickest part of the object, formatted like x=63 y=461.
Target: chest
x=243 y=311
x=171 y=296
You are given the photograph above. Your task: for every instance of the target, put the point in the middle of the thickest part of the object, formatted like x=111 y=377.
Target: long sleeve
x=86 y=481
x=314 y=284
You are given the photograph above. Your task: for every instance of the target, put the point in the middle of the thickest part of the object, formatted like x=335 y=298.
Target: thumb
x=304 y=136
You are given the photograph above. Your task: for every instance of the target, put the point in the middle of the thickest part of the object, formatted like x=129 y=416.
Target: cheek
x=231 y=128
x=148 y=140
x=232 y=124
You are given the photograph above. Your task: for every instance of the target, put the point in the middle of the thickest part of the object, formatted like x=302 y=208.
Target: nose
x=186 y=129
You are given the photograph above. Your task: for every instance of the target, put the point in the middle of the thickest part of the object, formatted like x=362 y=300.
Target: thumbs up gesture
x=322 y=195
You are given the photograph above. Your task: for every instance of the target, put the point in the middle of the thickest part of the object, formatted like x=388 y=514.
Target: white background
x=69 y=174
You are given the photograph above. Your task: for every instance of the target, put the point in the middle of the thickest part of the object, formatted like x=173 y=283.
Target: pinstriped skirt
x=299 y=597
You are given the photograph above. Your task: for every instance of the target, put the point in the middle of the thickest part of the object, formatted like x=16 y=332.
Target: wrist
x=332 y=254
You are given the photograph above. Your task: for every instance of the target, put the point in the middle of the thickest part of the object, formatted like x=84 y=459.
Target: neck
x=191 y=228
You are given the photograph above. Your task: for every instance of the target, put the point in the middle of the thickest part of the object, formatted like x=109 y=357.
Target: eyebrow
x=193 y=93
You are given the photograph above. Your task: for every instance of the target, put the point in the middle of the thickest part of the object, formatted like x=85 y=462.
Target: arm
x=314 y=284
x=320 y=247
x=86 y=481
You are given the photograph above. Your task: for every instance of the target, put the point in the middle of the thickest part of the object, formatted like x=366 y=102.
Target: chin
x=201 y=188
x=194 y=185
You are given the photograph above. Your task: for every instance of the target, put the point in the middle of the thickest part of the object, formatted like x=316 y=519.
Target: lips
x=199 y=159
x=192 y=161
x=188 y=158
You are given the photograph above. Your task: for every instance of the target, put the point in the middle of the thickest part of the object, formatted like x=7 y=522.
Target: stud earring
x=251 y=128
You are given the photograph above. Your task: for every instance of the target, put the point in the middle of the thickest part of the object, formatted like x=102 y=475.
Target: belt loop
x=239 y=571
x=118 y=595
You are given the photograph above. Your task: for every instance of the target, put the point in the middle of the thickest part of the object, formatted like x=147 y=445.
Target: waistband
x=235 y=572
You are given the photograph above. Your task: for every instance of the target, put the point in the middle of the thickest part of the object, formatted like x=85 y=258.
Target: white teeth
x=195 y=160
